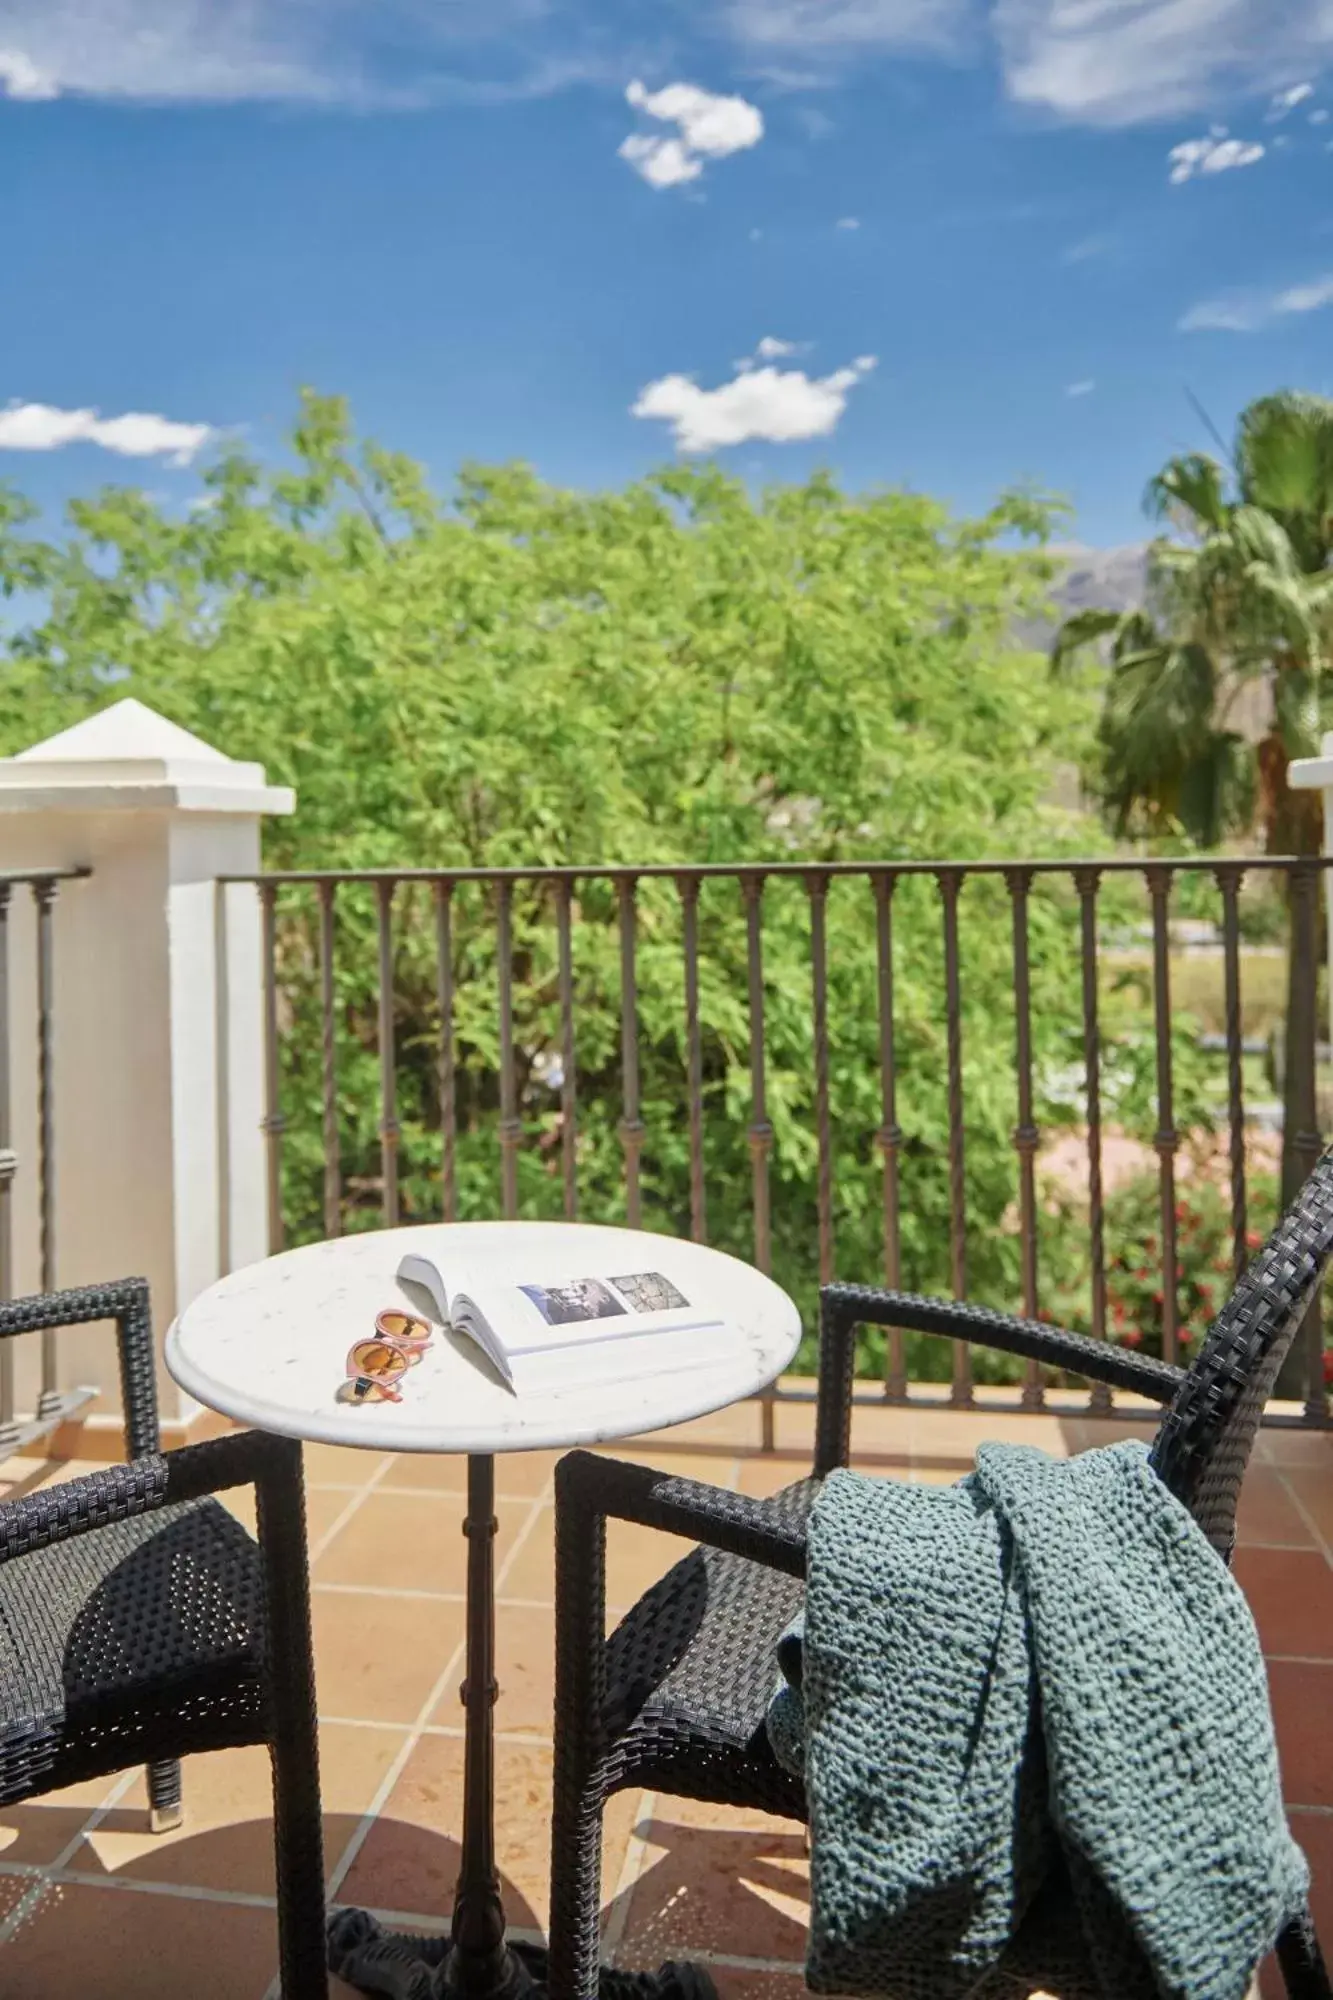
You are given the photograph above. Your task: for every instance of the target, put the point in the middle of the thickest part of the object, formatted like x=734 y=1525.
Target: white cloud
x=1285 y=101
x=315 y=51
x=1084 y=388
x=1086 y=249
x=824 y=29
x=779 y=405
x=1246 y=312
x=772 y=349
x=1305 y=298
x=708 y=127
x=40 y=427
x=1108 y=62
x=1123 y=62
x=1214 y=154
x=848 y=222
x=1319 y=117
x=20 y=77
x=662 y=162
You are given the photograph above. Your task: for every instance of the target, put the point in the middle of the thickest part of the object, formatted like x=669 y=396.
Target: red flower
x=1185 y=1336
x=1157 y=1299
x=1252 y=1239
x=1131 y=1337
x=1328 y=1367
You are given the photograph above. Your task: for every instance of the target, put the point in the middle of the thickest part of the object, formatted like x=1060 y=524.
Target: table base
x=475 y=1962
x=394 y=1966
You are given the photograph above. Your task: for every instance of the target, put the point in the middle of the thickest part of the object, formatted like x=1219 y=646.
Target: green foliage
x=1135 y=1274
x=679 y=673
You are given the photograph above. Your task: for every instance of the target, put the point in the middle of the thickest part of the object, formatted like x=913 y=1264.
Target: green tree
x=1239 y=592
x=680 y=673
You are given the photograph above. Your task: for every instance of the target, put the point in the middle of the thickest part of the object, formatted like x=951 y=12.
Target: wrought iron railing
x=302 y=956
x=54 y=1402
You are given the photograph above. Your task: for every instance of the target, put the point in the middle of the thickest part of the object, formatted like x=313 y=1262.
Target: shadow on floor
x=189 y=1916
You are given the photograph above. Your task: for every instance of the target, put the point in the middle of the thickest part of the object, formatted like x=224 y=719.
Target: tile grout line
x=1320 y=1544
x=381 y=1590
x=359 y=1496
x=529 y=1739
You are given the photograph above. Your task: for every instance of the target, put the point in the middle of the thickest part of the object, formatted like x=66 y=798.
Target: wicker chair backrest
x=1207 y=1434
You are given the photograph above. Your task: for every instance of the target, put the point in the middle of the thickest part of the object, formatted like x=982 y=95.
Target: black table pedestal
x=475 y=1962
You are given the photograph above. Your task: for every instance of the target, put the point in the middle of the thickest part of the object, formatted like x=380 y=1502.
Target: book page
x=576 y=1311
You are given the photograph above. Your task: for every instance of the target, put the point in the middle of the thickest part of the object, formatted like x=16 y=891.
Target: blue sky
x=967 y=234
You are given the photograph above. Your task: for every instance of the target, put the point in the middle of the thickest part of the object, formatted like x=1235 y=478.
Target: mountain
x=1096 y=580
x=1103 y=579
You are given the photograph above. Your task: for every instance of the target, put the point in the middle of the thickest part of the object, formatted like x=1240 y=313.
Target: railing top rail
x=701 y=871
x=19 y=877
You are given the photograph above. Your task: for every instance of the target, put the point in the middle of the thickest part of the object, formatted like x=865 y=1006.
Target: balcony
x=92 y=1903
x=1045 y=1085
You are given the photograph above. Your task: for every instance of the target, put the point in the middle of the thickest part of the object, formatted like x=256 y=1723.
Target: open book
x=563 y=1328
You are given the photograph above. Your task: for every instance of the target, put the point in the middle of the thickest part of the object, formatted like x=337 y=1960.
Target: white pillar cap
x=1312 y=774
x=128 y=757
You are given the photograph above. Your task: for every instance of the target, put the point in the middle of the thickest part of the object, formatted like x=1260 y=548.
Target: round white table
x=268 y=1344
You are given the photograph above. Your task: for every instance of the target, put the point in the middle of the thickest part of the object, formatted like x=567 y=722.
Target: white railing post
x=1315 y=774
x=157 y=1043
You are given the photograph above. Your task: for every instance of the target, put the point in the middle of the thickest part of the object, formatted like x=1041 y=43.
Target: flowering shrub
x=1135 y=1278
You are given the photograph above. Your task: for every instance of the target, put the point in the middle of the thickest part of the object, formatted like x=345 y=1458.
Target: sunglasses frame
x=403 y=1351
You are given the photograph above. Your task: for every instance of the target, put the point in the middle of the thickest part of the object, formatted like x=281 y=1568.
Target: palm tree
x=1241 y=591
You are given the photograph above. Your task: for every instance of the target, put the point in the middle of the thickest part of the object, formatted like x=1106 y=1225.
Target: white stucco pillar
x=1315 y=774
x=158 y=1031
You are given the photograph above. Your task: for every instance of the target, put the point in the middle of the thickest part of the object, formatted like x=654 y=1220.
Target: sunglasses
x=376 y=1366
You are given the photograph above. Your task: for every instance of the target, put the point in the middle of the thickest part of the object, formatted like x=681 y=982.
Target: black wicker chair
x=140 y=1622
x=675 y=1700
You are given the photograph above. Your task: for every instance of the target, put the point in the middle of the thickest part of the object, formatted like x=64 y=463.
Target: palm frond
x=1080 y=630
x=1188 y=490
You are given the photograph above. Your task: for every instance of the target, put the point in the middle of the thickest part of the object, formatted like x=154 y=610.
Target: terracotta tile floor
x=91 y=1904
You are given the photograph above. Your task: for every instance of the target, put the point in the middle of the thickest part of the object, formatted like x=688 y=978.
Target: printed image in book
x=583 y=1298
x=650 y=1292
x=589 y=1298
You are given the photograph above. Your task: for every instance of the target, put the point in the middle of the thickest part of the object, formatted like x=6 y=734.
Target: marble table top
x=267 y=1345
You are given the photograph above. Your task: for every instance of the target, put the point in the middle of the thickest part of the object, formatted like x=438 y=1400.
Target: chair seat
x=141 y=1642
x=691 y=1671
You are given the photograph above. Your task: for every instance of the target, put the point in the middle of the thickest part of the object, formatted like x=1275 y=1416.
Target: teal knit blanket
x=1033 y=1722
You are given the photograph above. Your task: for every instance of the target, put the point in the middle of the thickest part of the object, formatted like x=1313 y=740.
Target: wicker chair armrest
x=1056 y=1346
x=126 y=1302
x=733 y=1522
x=95 y=1501
x=117 y=1492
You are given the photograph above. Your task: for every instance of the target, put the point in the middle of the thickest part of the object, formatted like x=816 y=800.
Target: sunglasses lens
x=377 y=1359
x=395 y=1324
